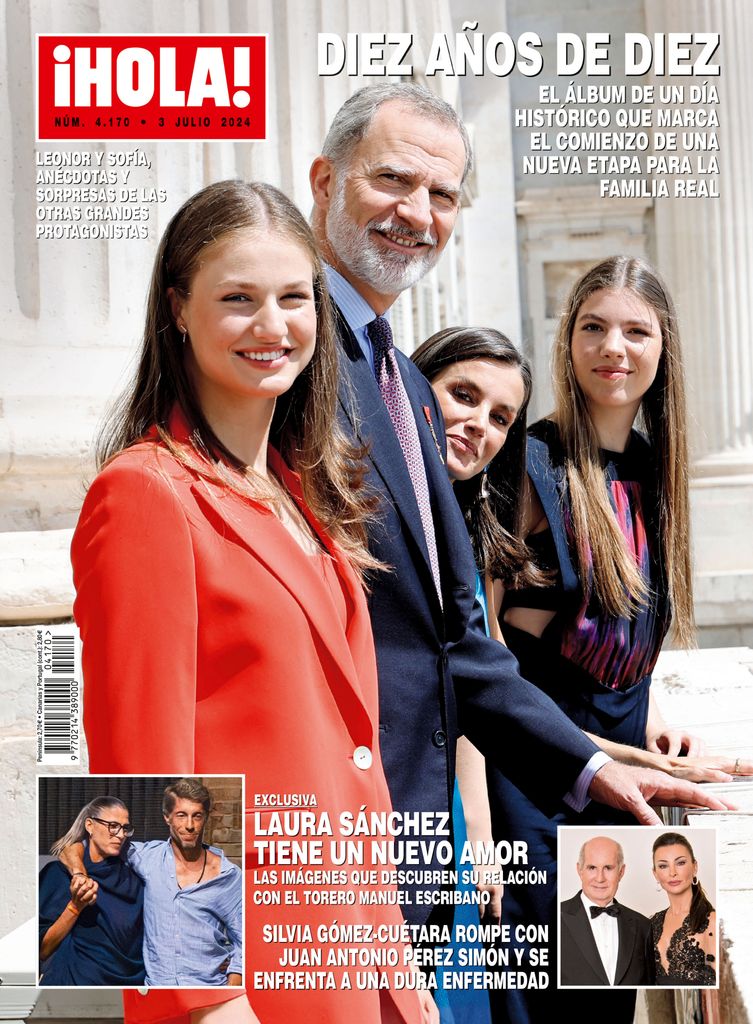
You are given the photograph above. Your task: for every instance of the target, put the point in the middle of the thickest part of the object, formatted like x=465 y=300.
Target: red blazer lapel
x=253 y=526
x=256 y=529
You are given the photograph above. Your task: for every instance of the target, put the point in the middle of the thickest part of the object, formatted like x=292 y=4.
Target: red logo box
x=96 y=87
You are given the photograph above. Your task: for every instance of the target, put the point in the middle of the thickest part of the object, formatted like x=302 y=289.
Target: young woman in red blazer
x=217 y=566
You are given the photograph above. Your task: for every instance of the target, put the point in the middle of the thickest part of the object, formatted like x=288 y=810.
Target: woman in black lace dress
x=683 y=935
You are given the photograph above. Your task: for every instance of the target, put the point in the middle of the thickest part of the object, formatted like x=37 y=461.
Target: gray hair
x=352 y=120
x=582 y=854
x=77 y=832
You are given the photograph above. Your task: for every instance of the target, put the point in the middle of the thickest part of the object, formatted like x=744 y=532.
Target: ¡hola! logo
x=93 y=87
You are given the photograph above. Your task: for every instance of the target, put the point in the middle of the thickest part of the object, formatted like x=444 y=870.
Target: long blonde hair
x=602 y=555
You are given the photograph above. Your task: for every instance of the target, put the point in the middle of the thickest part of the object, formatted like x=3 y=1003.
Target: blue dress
x=467 y=1005
x=598 y=670
x=104 y=946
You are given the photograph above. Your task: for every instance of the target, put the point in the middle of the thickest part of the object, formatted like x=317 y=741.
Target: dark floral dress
x=687 y=962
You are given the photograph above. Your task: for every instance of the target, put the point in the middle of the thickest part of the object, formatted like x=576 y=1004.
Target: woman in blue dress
x=483 y=386
x=94 y=937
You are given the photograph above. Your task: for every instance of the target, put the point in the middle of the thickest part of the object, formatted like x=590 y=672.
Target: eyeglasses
x=114 y=827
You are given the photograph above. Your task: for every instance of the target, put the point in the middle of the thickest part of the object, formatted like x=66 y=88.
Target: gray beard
x=386 y=272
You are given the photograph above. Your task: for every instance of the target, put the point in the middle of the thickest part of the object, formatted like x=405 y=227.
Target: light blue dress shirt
x=356 y=310
x=188 y=933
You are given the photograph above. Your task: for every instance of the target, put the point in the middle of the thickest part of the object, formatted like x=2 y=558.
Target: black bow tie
x=613 y=910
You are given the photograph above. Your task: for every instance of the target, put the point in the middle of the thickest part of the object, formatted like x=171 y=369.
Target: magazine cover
x=286 y=289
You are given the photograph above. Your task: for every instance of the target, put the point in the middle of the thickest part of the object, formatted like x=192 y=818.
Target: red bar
x=92 y=87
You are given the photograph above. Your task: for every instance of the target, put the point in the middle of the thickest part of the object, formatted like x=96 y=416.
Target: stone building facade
x=72 y=310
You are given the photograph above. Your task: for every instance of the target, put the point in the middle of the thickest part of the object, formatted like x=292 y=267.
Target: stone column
x=705 y=251
x=705 y=247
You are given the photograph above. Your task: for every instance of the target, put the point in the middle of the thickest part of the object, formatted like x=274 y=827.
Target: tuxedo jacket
x=580 y=963
x=439 y=674
x=211 y=644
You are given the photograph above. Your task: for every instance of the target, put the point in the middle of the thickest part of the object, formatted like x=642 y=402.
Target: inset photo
x=637 y=907
x=140 y=880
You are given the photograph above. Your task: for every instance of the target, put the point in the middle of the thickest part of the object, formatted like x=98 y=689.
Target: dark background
x=61 y=798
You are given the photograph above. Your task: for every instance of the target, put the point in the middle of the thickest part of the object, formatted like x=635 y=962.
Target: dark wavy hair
x=304 y=426
x=492 y=513
x=700 y=905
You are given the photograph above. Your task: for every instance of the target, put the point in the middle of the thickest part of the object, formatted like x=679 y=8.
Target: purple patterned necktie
x=398 y=406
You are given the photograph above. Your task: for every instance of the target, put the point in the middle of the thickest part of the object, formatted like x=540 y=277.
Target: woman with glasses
x=94 y=937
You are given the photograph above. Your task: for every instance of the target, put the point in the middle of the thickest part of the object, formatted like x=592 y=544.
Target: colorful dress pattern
x=597 y=668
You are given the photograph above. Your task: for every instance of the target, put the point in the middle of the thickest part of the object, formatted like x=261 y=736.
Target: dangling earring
x=184 y=332
x=484 y=492
x=658 y=887
x=695 y=879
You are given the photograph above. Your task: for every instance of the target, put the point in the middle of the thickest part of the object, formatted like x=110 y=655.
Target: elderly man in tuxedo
x=602 y=942
x=387 y=190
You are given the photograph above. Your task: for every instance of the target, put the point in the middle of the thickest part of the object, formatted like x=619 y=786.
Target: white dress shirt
x=606 y=935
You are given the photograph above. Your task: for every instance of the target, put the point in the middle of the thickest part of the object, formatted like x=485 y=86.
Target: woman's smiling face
x=249 y=318
x=480 y=399
x=616 y=348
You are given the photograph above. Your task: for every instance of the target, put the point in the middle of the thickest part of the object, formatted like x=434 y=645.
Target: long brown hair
x=700 y=904
x=617 y=581
x=304 y=425
x=490 y=502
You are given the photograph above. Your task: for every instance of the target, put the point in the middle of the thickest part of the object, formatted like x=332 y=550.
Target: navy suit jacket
x=580 y=962
x=439 y=674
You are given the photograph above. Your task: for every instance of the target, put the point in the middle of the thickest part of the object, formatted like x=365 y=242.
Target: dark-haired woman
x=95 y=936
x=684 y=934
x=217 y=563
x=483 y=386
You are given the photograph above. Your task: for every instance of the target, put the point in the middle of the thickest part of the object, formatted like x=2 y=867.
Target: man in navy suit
x=387 y=192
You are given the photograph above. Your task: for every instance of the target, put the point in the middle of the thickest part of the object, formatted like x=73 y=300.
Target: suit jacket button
x=362 y=758
x=439 y=738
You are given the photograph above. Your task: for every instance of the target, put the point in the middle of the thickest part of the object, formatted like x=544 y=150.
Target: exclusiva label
x=95 y=87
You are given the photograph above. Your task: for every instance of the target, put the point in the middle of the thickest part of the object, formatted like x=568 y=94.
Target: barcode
x=56 y=709
x=62 y=655
x=58 y=695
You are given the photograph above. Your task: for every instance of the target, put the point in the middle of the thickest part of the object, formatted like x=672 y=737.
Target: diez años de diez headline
x=474 y=52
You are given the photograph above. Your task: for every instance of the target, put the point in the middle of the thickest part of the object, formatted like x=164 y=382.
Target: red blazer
x=211 y=644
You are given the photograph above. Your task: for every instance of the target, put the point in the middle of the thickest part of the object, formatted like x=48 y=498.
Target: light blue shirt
x=356 y=310
x=188 y=933
x=358 y=313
